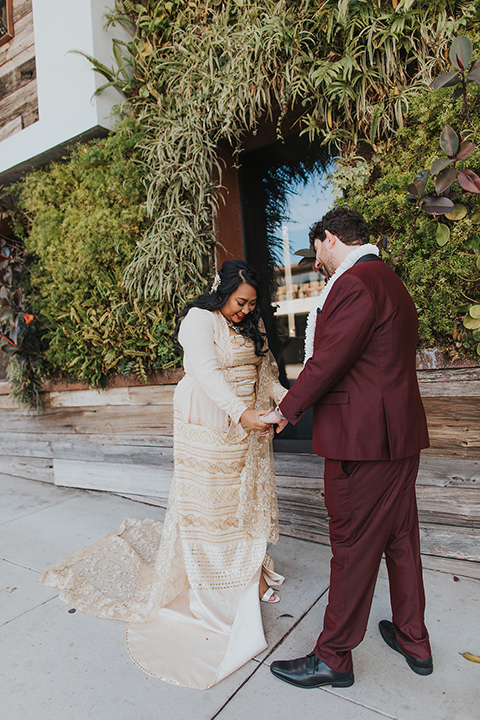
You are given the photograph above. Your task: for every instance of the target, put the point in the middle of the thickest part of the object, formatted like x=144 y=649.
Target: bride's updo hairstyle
x=232 y=274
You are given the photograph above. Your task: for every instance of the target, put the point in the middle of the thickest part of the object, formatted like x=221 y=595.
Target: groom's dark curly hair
x=346 y=224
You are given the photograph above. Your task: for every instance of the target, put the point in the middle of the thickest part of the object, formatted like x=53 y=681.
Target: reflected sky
x=307 y=204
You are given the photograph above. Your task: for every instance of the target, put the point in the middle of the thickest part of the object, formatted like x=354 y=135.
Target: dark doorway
x=267 y=177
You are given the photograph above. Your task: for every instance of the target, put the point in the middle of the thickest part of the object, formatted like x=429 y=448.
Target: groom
x=369 y=424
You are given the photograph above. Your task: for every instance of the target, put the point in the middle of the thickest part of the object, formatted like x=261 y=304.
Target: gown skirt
x=188 y=588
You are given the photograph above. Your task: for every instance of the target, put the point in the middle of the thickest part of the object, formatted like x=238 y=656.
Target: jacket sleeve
x=348 y=323
x=196 y=336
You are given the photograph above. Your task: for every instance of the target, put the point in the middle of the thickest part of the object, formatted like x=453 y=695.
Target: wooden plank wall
x=18 y=83
x=120 y=440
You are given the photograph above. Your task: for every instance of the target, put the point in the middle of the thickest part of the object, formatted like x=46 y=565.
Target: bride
x=190 y=589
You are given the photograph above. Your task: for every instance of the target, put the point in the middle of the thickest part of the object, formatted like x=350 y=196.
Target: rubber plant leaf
x=467 y=148
x=474 y=74
x=437 y=205
x=449 y=141
x=461 y=52
x=440 y=164
x=444 y=179
x=420 y=181
x=469 y=181
x=447 y=79
x=457 y=93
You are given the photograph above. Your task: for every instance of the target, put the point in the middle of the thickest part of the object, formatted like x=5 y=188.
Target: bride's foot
x=266 y=593
x=270 y=596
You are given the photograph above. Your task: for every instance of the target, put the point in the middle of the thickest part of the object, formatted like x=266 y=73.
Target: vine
x=201 y=74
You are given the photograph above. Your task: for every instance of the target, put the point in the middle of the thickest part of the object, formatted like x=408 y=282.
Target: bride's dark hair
x=232 y=274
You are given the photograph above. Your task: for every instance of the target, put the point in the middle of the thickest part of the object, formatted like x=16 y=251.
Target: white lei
x=352 y=257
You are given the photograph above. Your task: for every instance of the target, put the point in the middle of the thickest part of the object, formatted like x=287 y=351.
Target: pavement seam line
x=295 y=624
x=261 y=662
x=29 y=610
x=25 y=567
x=236 y=691
x=359 y=704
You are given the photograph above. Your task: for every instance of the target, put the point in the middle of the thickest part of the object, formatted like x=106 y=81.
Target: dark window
x=6 y=21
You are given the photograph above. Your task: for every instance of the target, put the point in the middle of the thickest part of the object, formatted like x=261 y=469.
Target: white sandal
x=270 y=596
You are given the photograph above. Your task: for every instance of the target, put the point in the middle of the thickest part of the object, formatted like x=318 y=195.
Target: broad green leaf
x=478 y=262
x=445 y=80
x=478 y=349
x=420 y=181
x=467 y=148
x=471 y=323
x=443 y=234
x=461 y=52
x=474 y=74
x=440 y=164
x=449 y=141
x=475 y=218
x=437 y=205
x=6 y=313
x=457 y=213
x=457 y=93
x=444 y=179
x=475 y=311
x=469 y=181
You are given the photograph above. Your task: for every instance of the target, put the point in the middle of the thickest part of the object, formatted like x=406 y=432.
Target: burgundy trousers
x=373 y=510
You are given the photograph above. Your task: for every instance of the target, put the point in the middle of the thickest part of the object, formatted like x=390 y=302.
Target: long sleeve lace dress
x=189 y=589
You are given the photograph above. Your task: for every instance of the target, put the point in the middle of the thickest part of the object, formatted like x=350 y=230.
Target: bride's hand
x=252 y=420
x=272 y=418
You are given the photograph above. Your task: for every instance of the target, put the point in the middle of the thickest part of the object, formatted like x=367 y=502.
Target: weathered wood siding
x=18 y=84
x=120 y=440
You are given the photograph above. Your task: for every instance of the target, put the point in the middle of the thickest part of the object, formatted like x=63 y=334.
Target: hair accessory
x=215 y=283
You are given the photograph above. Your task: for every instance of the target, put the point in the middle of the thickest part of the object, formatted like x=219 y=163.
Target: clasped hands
x=262 y=421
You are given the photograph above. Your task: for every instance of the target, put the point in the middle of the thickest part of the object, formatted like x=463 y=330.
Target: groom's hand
x=273 y=417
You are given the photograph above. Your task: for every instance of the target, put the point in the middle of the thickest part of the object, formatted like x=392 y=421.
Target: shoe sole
x=415 y=668
x=419 y=670
x=332 y=683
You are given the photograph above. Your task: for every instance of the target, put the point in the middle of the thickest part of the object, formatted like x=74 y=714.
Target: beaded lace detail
x=222 y=511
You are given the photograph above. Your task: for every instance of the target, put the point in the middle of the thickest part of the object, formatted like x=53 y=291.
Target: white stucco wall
x=65 y=81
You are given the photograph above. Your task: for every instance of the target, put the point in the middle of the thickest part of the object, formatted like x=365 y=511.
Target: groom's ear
x=331 y=239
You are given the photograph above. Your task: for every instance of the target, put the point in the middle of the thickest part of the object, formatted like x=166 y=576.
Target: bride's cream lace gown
x=189 y=589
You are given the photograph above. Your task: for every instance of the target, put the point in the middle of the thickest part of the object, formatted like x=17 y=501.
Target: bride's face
x=242 y=301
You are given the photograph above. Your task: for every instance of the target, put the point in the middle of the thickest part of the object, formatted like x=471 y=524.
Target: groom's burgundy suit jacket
x=361 y=379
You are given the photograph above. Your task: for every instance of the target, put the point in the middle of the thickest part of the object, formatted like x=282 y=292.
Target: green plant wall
x=441 y=280
x=200 y=74
x=122 y=232
x=85 y=216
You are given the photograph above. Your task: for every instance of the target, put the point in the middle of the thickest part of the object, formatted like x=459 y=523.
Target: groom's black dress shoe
x=310 y=672
x=421 y=667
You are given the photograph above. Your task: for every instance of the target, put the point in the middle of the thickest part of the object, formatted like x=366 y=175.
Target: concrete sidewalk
x=59 y=665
